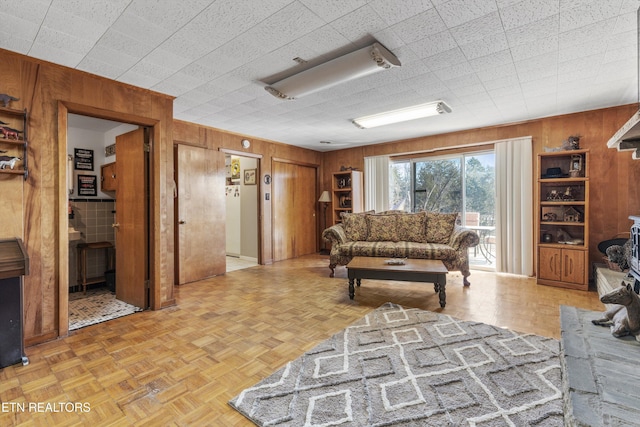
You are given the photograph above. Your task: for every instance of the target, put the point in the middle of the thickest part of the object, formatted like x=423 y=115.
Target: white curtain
x=514 y=206
x=376 y=183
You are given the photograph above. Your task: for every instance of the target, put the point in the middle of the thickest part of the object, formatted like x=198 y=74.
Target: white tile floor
x=234 y=263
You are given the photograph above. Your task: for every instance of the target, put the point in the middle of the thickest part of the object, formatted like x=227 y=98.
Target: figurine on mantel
x=571 y=143
x=6 y=99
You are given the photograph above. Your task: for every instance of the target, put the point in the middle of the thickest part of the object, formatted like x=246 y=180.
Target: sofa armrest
x=335 y=234
x=463 y=238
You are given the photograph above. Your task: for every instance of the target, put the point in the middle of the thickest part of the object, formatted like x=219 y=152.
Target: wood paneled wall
x=614 y=176
x=35 y=209
x=215 y=139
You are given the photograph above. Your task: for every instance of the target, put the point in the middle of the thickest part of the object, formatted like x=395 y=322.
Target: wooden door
x=305 y=201
x=201 y=213
x=131 y=218
x=294 y=212
x=284 y=215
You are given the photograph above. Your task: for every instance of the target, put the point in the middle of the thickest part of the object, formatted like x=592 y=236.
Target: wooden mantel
x=627 y=138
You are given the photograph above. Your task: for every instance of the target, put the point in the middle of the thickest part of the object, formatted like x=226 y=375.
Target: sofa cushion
x=425 y=251
x=380 y=249
x=382 y=228
x=440 y=227
x=412 y=227
x=355 y=225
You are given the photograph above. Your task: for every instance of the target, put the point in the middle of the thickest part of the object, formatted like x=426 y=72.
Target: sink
x=74 y=234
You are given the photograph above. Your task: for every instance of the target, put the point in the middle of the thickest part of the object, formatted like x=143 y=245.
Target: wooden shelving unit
x=562 y=222
x=15 y=119
x=346 y=194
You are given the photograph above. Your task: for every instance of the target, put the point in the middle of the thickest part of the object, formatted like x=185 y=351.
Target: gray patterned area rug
x=97 y=308
x=411 y=367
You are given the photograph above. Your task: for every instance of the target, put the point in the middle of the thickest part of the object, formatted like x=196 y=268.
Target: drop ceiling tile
x=419 y=26
x=492 y=61
x=105 y=12
x=393 y=12
x=457 y=75
x=458 y=12
x=182 y=45
x=118 y=59
x=95 y=65
x=138 y=79
x=330 y=10
x=493 y=43
x=120 y=42
x=15 y=44
x=139 y=29
x=528 y=12
x=20 y=28
x=359 y=24
x=539 y=47
x=28 y=10
x=445 y=59
x=477 y=29
x=171 y=16
x=579 y=14
x=63 y=41
x=53 y=53
x=577 y=36
x=433 y=44
x=494 y=81
x=533 y=32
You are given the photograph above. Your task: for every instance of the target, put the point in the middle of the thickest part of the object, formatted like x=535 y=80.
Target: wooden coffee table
x=413 y=270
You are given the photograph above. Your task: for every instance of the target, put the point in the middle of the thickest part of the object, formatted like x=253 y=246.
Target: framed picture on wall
x=87 y=185
x=250 y=176
x=83 y=159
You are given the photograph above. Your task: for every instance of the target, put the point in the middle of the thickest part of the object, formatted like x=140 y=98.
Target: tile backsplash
x=93 y=219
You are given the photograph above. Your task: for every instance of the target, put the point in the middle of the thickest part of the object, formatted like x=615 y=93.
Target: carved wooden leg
x=352 y=291
x=333 y=270
x=442 y=295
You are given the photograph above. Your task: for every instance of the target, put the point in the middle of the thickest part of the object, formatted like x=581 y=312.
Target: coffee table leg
x=436 y=287
x=352 y=291
x=443 y=295
x=358 y=282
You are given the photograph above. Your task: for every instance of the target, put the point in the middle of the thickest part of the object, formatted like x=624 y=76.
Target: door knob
x=182 y=221
x=116 y=225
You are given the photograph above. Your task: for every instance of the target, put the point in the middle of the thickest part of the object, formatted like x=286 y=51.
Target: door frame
x=64 y=108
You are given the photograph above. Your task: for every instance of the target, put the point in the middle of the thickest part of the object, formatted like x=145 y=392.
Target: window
x=445 y=184
x=463 y=183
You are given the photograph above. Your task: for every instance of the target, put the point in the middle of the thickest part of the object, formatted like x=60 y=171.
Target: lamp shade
x=325 y=197
x=360 y=63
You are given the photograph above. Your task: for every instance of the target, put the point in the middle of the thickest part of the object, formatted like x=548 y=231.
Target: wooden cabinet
x=13 y=142
x=562 y=223
x=346 y=194
x=108 y=179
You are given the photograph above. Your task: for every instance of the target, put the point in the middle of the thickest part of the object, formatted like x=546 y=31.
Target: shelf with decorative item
x=13 y=142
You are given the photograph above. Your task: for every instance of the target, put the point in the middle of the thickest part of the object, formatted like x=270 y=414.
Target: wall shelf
x=15 y=120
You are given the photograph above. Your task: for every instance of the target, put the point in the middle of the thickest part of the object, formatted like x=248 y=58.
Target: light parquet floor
x=180 y=366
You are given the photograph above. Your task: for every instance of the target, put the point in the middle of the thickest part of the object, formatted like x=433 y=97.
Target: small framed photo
x=250 y=176
x=87 y=185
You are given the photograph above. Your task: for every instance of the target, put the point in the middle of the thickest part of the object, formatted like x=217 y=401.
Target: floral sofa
x=396 y=234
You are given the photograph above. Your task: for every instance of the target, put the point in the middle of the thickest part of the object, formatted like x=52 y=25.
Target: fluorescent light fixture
x=354 y=65
x=402 y=115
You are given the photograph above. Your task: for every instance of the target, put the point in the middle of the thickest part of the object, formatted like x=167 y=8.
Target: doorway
x=242 y=207
x=96 y=241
